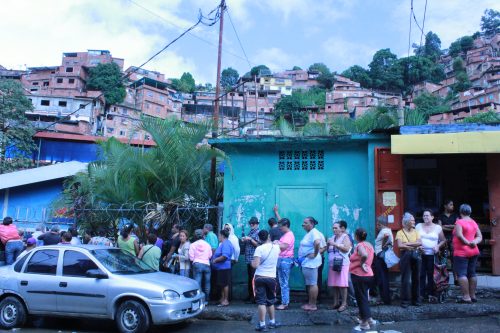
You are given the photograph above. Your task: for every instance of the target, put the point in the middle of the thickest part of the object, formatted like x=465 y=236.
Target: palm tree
x=173 y=173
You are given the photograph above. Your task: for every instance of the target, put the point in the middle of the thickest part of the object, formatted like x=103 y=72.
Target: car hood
x=164 y=281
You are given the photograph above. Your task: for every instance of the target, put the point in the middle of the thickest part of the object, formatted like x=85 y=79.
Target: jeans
x=382 y=278
x=410 y=269
x=361 y=285
x=12 y=251
x=201 y=274
x=185 y=272
x=284 y=269
x=427 y=276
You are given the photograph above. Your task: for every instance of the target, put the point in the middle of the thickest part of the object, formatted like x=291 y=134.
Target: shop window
x=301 y=160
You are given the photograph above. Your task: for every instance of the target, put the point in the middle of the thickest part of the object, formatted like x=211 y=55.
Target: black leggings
x=361 y=285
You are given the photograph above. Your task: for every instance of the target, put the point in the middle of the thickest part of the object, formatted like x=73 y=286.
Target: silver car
x=94 y=282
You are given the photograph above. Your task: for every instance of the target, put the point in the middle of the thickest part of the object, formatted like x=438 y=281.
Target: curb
x=297 y=317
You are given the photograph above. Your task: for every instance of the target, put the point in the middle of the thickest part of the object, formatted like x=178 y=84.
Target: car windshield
x=119 y=262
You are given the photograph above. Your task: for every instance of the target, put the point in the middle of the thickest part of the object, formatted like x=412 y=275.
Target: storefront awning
x=446 y=143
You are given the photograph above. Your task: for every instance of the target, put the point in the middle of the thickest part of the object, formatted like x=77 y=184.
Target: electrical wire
x=409 y=33
x=423 y=24
x=238 y=38
x=190 y=33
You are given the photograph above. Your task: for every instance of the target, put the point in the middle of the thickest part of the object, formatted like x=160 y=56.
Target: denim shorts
x=465 y=266
x=310 y=276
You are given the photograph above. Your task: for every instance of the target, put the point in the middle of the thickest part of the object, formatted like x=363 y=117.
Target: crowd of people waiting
x=353 y=264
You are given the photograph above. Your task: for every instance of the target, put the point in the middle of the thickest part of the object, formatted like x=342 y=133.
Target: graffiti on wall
x=244 y=207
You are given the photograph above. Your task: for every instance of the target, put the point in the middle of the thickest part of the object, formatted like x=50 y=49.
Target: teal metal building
x=329 y=178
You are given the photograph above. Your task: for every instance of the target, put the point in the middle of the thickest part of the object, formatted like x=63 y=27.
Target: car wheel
x=132 y=317
x=12 y=313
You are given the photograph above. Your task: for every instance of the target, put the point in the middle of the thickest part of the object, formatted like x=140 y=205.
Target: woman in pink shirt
x=285 y=261
x=362 y=277
x=466 y=236
x=9 y=235
x=200 y=253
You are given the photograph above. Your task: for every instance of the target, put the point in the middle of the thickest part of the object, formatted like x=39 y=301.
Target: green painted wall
x=343 y=190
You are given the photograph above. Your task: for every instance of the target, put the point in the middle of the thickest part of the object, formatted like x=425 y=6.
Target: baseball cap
x=253 y=220
x=31 y=241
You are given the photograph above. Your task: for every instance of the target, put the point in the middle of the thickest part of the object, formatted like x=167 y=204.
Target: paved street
x=472 y=325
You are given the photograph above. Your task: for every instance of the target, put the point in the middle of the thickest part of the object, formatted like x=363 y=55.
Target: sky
x=278 y=33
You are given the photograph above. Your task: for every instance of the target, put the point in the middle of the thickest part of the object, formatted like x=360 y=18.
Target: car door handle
x=24 y=283
x=63 y=284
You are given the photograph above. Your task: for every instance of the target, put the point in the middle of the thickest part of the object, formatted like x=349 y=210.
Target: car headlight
x=170 y=295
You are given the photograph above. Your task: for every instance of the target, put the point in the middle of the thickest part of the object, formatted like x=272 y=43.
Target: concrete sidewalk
x=488 y=304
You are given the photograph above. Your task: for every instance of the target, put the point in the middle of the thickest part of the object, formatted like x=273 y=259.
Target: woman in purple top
x=221 y=263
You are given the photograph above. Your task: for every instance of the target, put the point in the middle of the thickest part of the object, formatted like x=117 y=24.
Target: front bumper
x=163 y=312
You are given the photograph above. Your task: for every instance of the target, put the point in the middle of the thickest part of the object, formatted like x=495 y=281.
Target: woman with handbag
x=432 y=240
x=409 y=244
x=383 y=242
x=339 y=246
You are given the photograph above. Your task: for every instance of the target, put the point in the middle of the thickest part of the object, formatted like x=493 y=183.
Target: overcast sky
x=277 y=33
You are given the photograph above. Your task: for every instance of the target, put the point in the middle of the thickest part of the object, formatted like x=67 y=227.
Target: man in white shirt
x=265 y=260
x=310 y=249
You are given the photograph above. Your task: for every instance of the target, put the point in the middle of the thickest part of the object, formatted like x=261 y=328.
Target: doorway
x=430 y=180
x=296 y=203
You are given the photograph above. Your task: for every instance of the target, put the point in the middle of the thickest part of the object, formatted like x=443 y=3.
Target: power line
x=409 y=33
x=423 y=24
x=239 y=41
x=190 y=33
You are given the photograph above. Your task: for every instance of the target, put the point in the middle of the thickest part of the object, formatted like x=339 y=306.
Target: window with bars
x=289 y=160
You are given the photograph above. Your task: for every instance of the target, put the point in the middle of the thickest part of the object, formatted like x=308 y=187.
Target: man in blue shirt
x=251 y=242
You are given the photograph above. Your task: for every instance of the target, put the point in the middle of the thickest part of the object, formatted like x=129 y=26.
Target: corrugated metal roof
x=37 y=175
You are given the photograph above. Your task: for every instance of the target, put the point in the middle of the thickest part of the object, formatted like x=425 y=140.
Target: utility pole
x=215 y=125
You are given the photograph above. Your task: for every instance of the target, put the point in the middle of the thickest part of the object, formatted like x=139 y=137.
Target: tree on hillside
x=358 y=74
x=16 y=132
x=417 y=69
x=292 y=107
x=462 y=79
x=326 y=78
x=229 y=77
x=258 y=70
x=108 y=79
x=296 y=68
x=429 y=104
x=185 y=84
x=490 y=22
x=461 y=45
x=432 y=47
x=383 y=72
x=320 y=67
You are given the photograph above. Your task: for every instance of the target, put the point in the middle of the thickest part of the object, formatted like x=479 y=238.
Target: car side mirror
x=96 y=274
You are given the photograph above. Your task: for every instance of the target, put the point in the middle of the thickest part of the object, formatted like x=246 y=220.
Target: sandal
x=221 y=305
x=342 y=308
x=362 y=327
x=310 y=308
x=463 y=301
x=282 y=307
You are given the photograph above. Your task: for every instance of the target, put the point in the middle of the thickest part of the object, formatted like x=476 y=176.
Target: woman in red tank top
x=362 y=277
x=466 y=236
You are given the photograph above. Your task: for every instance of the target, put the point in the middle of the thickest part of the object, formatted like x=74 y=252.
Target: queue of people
x=353 y=264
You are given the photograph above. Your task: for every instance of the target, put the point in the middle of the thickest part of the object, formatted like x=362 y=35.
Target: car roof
x=79 y=246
